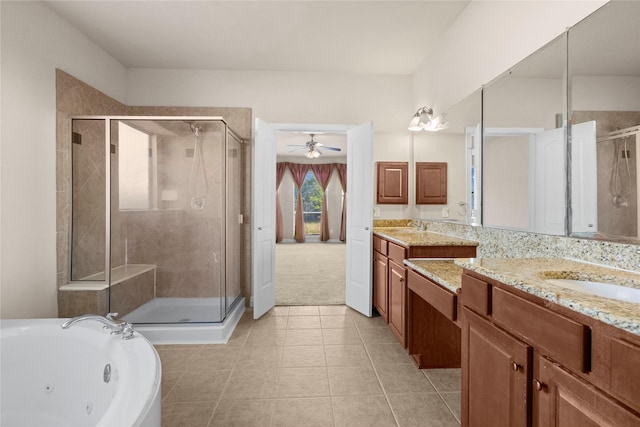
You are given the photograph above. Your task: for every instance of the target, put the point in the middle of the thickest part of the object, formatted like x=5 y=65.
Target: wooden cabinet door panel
x=495 y=375
x=393 y=183
x=565 y=400
x=398 y=301
x=431 y=183
x=380 y=284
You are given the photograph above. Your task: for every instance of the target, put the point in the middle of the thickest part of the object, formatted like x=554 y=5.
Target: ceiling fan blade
x=297 y=149
x=296 y=145
x=332 y=148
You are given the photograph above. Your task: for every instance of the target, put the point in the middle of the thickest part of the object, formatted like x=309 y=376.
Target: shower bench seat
x=131 y=286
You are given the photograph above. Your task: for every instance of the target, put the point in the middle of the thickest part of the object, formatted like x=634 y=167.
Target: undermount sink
x=607 y=290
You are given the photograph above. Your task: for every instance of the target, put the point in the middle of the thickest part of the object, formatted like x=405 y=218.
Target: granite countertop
x=529 y=275
x=409 y=236
x=444 y=272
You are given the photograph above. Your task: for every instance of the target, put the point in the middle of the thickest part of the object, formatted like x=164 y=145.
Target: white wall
x=486 y=39
x=35 y=42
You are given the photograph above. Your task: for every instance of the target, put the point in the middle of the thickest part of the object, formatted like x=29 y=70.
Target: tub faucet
x=114 y=326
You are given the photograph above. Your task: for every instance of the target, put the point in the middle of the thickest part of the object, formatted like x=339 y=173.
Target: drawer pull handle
x=539 y=385
x=401 y=279
x=515 y=366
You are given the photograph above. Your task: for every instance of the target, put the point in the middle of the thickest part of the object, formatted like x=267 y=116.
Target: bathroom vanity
x=534 y=353
x=391 y=246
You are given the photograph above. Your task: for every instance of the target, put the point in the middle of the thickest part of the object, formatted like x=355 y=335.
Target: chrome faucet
x=114 y=326
x=418 y=224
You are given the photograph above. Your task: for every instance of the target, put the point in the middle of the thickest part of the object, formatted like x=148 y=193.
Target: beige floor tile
x=239 y=336
x=454 y=402
x=346 y=355
x=403 y=379
x=445 y=380
x=307 y=412
x=353 y=381
x=304 y=322
x=280 y=310
x=304 y=355
x=303 y=337
x=252 y=384
x=303 y=382
x=362 y=411
x=259 y=358
x=265 y=338
x=168 y=381
x=336 y=322
x=388 y=354
x=367 y=322
x=377 y=335
x=187 y=414
x=202 y=386
x=334 y=310
x=243 y=413
x=270 y=323
x=345 y=336
x=304 y=310
x=214 y=357
x=177 y=359
x=421 y=410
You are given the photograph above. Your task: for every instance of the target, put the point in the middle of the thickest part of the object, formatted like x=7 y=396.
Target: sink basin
x=607 y=290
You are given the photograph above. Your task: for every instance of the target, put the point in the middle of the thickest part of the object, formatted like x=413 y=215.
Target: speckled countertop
x=529 y=275
x=444 y=272
x=408 y=236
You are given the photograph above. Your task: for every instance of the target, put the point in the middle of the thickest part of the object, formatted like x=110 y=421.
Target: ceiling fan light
x=312 y=154
x=421 y=119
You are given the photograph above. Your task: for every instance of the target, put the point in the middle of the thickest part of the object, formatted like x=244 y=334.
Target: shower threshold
x=185 y=320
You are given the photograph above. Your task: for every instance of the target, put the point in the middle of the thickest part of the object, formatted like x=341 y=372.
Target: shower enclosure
x=156 y=216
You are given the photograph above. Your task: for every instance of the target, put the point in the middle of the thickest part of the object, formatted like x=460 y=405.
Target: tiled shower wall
x=612 y=220
x=76 y=98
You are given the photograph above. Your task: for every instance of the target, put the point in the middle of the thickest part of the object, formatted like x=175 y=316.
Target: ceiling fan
x=313 y=148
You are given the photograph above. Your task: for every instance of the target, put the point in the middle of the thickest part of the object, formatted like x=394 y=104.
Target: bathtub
x=81 y=376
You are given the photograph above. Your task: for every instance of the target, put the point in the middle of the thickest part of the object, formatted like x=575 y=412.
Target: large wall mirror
x=524 y=166
x=604 y=104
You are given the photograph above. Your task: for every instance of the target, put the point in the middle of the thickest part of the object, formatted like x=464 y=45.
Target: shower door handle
x=259 y=228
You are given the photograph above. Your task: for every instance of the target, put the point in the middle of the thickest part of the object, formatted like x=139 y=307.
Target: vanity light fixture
x=423 y=120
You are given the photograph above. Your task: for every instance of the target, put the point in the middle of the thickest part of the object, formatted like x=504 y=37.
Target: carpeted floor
x=310 y=273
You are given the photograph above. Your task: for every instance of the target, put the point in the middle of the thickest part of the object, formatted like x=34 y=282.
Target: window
x=311 y=203
x=133 y=168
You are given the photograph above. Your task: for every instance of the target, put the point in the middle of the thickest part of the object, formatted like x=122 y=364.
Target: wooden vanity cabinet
x=380 y=284
x=398 y=293
x=496 y=371
x=546 y=365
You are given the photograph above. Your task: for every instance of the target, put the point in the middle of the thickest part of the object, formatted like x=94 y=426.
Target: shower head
x=195 y=127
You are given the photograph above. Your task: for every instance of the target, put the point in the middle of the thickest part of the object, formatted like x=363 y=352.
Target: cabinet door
x=431 y=183
x=393 y=183
x=398 y=302
x=564 y=400
x=495 y=375
x=380 y=284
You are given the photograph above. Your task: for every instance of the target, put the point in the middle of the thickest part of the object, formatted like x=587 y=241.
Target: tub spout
x=114 y=326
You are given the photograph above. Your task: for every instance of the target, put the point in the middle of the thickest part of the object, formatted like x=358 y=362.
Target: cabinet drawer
x=439 y=298
x=563 y=339
x=476 y=295
x=380 y=245
x=625 y=375
x=396 y=253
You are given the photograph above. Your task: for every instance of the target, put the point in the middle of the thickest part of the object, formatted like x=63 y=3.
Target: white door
x=584 y=178
x=547 y=182
x=264 y=218
x=359 y=217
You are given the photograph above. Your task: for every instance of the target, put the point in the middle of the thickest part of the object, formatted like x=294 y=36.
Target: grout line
x=375 y=370
x=440 y=396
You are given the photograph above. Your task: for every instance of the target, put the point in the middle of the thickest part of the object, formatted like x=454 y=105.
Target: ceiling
x=370 y=37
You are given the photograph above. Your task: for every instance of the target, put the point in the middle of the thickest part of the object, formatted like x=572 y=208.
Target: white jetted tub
x=80 y=376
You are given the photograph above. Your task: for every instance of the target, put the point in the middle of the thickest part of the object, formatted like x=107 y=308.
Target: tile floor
x=305 y=366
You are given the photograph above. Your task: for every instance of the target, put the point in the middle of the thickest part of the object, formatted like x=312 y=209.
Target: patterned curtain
x=299 y=171
x=342 y=173
x=323 y=175
x=281 y=167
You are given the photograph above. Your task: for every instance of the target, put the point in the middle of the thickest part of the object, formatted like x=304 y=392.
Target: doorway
x=359 y=212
